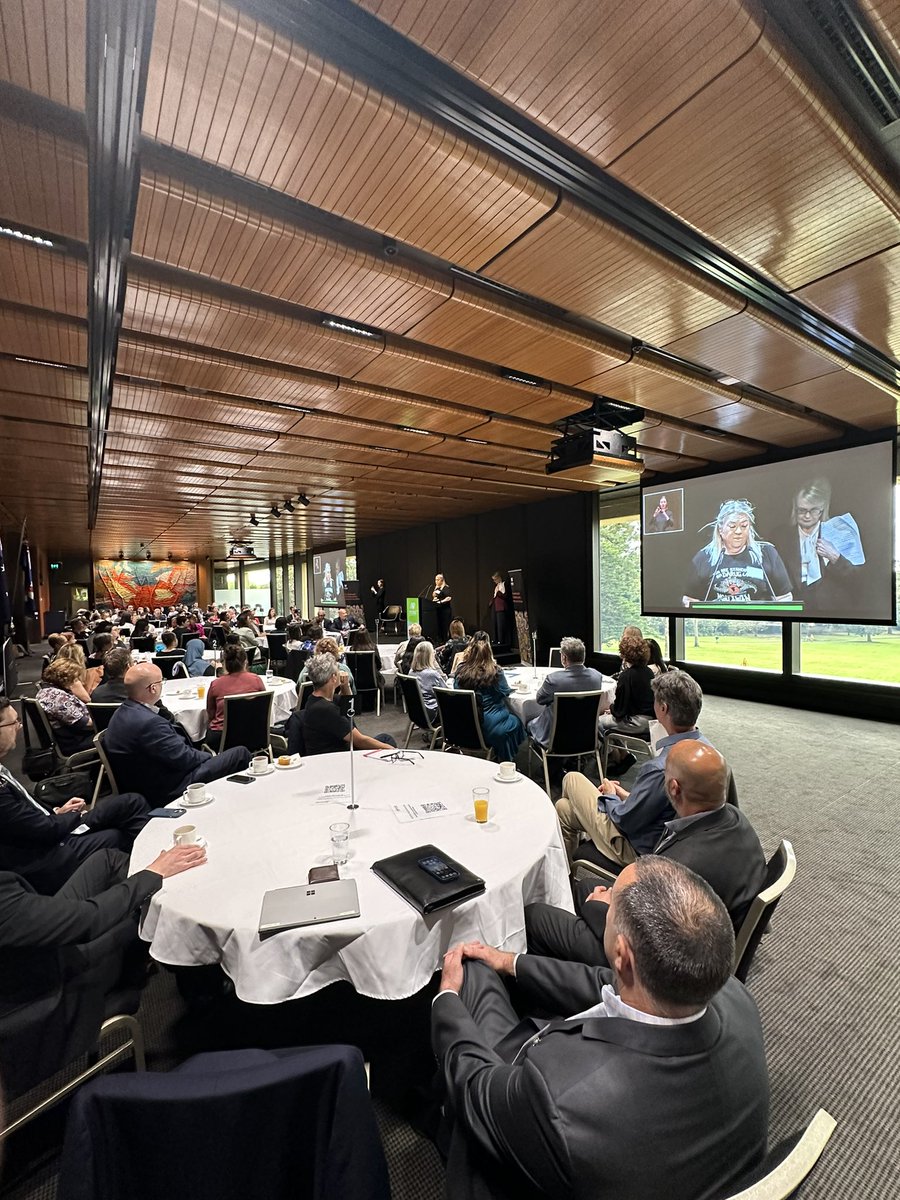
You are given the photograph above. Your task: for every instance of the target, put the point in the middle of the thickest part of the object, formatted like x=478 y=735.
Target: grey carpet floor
x=825 y=977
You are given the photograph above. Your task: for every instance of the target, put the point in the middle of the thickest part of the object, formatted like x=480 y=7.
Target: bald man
x=708 y=835
x=143 y=746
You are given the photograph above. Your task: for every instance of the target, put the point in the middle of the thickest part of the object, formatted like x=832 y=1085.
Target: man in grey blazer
x=650 y=1082
x=574 y=677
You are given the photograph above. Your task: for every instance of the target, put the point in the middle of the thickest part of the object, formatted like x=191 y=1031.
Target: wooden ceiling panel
x=201 y=318
x=42 y=48
x=475 y=324
x=360 y=434
x=585 y=265
x=43 y=180
x=399 y=408
x=753 y=353
x=206 y=410
x=35 y=379
x=766 y=426
x=546 y=409
x=495 y=453
x=42 y=337
x=179 y=225
x=231 y=91
x=759 y=165
x=885 y=16
x=864 y=297
x=43 y=408
x=637 y=384
x=199 y=436
x=42 y=278
x=678 y=441
x=849 y=397
x=588 y=71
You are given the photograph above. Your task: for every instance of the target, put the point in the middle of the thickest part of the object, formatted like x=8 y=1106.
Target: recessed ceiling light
x=348 y=327
x=21 y=236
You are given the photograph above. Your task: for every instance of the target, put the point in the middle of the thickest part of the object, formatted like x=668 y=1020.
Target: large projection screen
x=328 y=578
x=809 y=539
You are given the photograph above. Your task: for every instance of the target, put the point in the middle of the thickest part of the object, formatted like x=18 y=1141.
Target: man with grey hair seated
x=574 y=677
x=320 y=727
x=623 y=824
x=651 y=1079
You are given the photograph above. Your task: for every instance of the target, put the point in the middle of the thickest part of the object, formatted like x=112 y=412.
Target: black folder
x=425 y=893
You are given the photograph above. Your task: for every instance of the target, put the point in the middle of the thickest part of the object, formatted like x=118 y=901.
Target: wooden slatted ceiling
x=36 y=380
x=42 y=278
x=590 y=72
x=849 y=397
x=232 y=92
x=188 y=228
x=42 y=48
x=43 y=180
x=864 y=297
x=37 y=335
x=885 y=17
x=583 y=264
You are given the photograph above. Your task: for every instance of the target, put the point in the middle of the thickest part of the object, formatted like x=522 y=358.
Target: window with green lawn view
x=620 y=584
x=755 y=645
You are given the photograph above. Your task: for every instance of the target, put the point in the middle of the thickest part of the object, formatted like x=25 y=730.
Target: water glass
x=340 y=839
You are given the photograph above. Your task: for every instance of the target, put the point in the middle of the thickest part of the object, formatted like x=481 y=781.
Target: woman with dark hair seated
x=458 y=641
x=657 y=663
x=361 y=643
x=478 y=672
x=64 y=699
x=236 y=681
x=632 y=709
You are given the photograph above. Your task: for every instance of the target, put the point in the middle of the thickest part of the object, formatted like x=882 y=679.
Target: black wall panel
x=457 y=541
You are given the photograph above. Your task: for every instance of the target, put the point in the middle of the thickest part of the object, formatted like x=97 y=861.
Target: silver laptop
x=308 y=904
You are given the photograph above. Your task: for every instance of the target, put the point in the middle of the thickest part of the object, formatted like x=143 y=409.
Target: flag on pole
x=27 y=580
x=4 y=596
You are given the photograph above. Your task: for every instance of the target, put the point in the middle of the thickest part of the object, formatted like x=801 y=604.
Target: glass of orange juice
x=480 y=798
x=201 y=691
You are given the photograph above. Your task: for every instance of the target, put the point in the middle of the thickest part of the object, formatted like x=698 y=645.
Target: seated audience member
x=63 y=698
x=656 y=662
x=426 y=670
x=281 y=624
x=102 y=642
x=294 y=637
x=458 y=642
x=707 y=834
x=149 y=752
x=624 y=824
x=404 y=652
x=89 y=678
x=269 y=621
x=574 y=677
x=320 y=725
x=651 y=1081
x=478 y=672
x=630 y=631
x=237 y=681
x=632 y=708
x=171 y=649
x=62 y=955
x=343 y=623
x=141 y=628
x=361 y=643
x=247 y=632
x=327 y=645
x=194 y=661
x=42 y=846
x=112 y=690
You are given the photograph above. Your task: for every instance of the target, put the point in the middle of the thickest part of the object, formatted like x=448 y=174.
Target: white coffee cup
x=522 y=686
x=259 y=764
x=186 y=835
x=196 y=793
x=507 y=770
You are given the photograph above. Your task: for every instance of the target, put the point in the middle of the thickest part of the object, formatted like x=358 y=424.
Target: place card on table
x=420 y=812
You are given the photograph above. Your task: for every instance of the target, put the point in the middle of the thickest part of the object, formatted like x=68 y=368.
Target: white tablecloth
x=524 y=704
x=268 y=834
x=388 y=669
x=180 y=697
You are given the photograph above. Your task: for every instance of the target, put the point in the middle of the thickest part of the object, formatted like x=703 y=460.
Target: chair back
x=167 y=664
x=143 y=645
x=296 y=735
x=36 y=719
x=786 y=1165
x=294 y=663
x=411 y=690
x=362 y=666
x=460 y=721
x=101 y=715
x=304 y=691
x=126 y=1131
x=639 y=747
x=247 y=720
x=277 y=643
x=216 y=635
x=555 y=659
x=780 y=870
x=573 y=726
x=99 y=739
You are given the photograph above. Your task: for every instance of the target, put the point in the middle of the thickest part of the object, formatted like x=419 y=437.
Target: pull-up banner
x=520 y=608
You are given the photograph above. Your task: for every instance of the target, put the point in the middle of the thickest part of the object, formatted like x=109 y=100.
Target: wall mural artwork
x=144 y=584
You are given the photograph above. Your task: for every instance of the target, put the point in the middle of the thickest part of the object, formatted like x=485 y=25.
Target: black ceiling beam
x=356 y=41
x=118 y=50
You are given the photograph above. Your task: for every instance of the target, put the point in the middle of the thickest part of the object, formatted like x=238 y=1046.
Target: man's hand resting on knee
x=501 y=961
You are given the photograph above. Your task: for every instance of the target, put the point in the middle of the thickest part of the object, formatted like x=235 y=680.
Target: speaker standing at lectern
x=442 y=607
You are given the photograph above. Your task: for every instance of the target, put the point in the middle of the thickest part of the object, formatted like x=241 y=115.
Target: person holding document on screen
x=736 y=566
x=822 y=553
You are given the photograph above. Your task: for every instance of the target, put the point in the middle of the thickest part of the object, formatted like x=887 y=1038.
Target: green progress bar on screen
x=726 y=607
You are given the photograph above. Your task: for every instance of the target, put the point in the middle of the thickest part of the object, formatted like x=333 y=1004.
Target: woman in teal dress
x=478 y=672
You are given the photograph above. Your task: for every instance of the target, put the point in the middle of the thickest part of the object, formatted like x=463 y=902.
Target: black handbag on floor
x=38 y=763
x=54 y=792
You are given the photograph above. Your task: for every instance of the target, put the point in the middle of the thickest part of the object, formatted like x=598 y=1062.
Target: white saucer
x=201 y=842
x=197 y=803
x=259 y=774
x=502 y=779
x=291 y=766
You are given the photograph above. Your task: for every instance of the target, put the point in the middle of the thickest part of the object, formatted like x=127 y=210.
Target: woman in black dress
x=442 y=604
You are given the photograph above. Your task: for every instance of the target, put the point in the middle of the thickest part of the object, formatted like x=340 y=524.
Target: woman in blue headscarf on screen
x=736 y=566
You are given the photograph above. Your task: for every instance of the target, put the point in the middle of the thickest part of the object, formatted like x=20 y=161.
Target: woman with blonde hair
x=478 y=672
x=328 y=645
x=90 y=676
x=64 y=699
x=429 y=675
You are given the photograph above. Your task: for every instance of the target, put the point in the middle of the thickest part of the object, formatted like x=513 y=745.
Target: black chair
x=294 y=663
x=143 y=645
x=414 y=703
x=277 y=647
x=296 y=735
x=215 y=635
x=101 y=714
x=247 y=722
x=166 y=664
x=361 y=664
x=780 y=870
x=460 y=722
x=573 y=730
x=555 y=657
x=293 y=1124
x=304 y=691
x=392 y=615
x=41 y=724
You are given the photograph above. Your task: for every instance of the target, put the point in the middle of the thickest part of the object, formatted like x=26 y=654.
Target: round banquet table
x=524 y=704
x=180 y=698
x=267 y=835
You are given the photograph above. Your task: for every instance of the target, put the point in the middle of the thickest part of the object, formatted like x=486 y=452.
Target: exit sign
x=55 y=566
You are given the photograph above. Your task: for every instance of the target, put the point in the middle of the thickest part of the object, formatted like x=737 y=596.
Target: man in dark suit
x=146 y=750
x=708 y=835
x=62 y=955
x=112 y=690
x=651 y=1081
x=574 y=677
x=43 y=847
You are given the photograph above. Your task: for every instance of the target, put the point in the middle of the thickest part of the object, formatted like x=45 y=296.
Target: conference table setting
x=269 y=833
x=525 y=682
x=186 y=700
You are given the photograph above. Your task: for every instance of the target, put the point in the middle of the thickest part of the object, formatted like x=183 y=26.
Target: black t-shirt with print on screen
x=324 y=729
x=736 y=579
